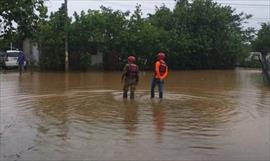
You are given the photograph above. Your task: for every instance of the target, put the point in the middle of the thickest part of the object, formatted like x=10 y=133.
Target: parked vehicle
x=11 y=58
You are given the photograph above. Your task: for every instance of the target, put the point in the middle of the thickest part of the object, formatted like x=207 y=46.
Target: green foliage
x=203 y=34
x=19 y=20
x=99 y=31
x=85 y=61
x=50 y=38
x=24 y=14
x=7 y=39
x=262 y=42
x=196 y=35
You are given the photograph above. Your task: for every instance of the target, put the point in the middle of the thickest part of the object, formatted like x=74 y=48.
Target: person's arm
x=138 y=75
x=157 y=65
x=165 y=74
x=124 y=73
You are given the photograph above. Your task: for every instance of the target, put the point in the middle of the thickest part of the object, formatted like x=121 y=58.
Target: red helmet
x=161 y=56
x=131 y=59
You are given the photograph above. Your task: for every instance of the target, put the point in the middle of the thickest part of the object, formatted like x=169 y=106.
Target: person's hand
x=161 y=80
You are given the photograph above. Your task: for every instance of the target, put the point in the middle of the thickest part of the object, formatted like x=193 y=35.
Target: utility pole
x=66 y=37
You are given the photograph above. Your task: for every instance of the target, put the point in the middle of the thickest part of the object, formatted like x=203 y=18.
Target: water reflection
x=263 y=103
x=75 y=116
x=159 y=122
x=130 y=117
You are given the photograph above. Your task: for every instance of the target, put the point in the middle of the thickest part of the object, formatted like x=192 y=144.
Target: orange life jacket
x=161 y=69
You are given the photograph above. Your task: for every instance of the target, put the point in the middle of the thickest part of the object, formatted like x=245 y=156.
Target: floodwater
x=205 y=115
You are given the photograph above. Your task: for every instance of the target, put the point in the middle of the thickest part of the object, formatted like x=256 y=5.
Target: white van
x=11 y=58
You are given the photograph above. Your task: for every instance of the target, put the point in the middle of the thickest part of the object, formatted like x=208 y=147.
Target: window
x=13 y=54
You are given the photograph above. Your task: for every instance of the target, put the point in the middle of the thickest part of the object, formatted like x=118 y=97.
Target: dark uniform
x=131 y=77
x=21 y=60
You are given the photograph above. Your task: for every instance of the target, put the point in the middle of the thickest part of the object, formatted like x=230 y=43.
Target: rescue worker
x=130 y=76
x=161 y=72
x=20 y=61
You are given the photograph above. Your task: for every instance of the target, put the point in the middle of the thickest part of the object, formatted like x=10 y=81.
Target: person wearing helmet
x=161 y=72
x=130 y=76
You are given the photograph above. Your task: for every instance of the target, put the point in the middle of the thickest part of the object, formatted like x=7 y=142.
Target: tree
x=50 y=39
x=208 y=35
x=19 y=19
x=21 y=16
x=103 y=31
x=262 y=42
x=200 y=34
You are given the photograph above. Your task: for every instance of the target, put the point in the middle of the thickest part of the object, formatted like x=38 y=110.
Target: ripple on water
x=76 y=118
x=95 y=114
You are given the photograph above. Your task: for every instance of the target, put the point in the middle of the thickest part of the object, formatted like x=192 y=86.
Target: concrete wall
x=31 y=51
x=27 y=48
x=97 y=59
x=35 y=54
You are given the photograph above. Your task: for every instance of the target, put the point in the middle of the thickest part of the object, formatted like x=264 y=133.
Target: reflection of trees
x=202 y=81
x=263 y=103
x=61 y=82
x=85 y=111
x=252 y=93
x=200 y=121
x=53 y=115
x=51 y=106
x=57 y=95
x=201 y=116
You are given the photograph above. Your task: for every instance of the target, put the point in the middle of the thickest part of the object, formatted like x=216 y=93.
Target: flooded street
x=205 y=115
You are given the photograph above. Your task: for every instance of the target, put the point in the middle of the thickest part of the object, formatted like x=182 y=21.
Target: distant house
x=253 y=55
x=33 y=55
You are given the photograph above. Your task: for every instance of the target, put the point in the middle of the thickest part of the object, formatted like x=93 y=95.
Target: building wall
x=31 y=51
x=97 y=59
x=27 y=48
x=35 y=54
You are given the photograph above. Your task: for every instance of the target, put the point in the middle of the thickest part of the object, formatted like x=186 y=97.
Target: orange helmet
x=161 y=56
x=131 y=59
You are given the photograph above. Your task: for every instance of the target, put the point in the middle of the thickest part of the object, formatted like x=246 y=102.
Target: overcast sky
x=260 y=9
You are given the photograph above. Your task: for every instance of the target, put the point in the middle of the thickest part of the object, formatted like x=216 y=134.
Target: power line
x=117 y=0
x=259 y=18
x=243 y=0
x=243 y=4
x=118 y=3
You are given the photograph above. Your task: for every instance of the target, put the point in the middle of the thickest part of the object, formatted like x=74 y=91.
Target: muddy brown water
x=205 y=115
